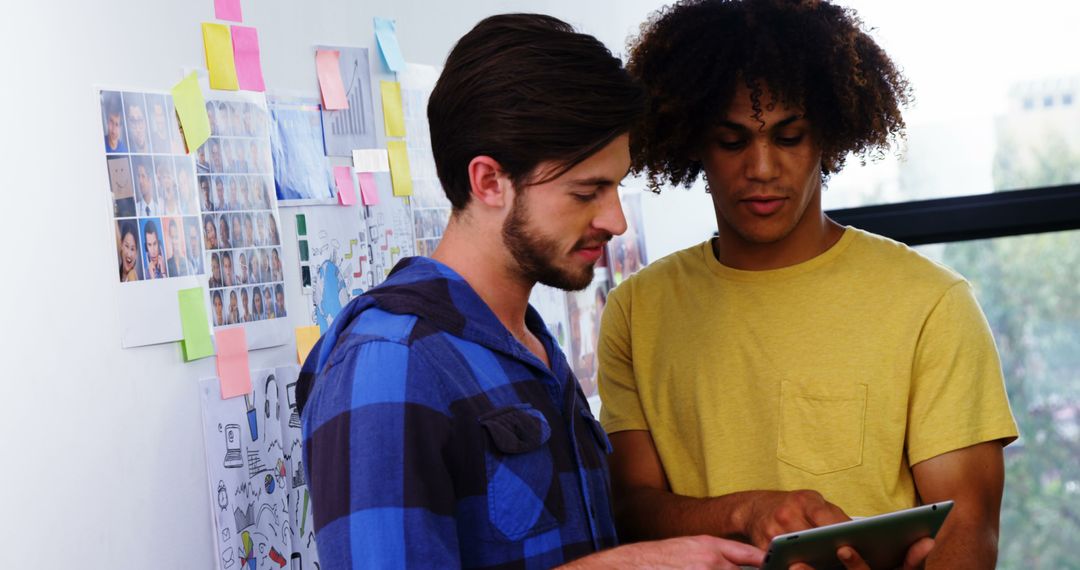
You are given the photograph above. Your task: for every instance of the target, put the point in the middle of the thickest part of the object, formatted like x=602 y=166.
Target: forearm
x=649 y=514
x=964 y=543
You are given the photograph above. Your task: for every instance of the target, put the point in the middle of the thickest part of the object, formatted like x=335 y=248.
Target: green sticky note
x=303 y=250
x=195 y=324
x=301 y=225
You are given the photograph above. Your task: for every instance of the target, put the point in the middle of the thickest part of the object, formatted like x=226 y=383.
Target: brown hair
x=807 y=53
x=525 y=89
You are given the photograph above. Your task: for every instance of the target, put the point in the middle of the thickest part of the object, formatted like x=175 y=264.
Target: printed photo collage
x=240 y=226
x=152 y=186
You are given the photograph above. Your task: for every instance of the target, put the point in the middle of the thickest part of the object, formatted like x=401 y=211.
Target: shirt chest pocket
x=821 y=432
x=524 y=496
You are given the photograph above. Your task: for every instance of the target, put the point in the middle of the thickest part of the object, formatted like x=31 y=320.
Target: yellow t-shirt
x=836 y=374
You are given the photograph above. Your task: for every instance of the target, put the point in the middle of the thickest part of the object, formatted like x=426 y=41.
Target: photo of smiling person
x=127 y=250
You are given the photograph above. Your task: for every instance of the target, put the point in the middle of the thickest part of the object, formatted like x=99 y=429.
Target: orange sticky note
x=306 y=337
x=217 y=41
x=333 y=90
x=245 y=41
x=191 y=110
x=232 y=362
x=346 y=190
x=399 y=168
x=393 y=116
x=369 y=191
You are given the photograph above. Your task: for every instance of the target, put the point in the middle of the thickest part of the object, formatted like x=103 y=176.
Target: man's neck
x=814 y=235
x=483 y=263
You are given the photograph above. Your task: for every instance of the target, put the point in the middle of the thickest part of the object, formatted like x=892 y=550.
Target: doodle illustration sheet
x=352 y=128
x=431 y=209
x=154 y=213
x=259 y=500
x=242 y=235
x=335 y=259
x=390 y=229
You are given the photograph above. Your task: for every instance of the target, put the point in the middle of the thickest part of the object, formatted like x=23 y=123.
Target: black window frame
x=962 y=218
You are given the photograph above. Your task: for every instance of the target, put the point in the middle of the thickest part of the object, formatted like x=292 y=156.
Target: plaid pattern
x=434 y=439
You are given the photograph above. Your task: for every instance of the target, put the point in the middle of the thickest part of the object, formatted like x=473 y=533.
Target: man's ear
x=487 y=181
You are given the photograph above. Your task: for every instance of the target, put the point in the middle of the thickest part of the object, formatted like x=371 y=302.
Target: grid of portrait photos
x=239 y=219
x=152 y=182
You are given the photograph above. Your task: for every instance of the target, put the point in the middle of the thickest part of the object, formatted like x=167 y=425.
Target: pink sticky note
x=369 y=192
x=232 y=362
x=333 y=90
x=228 y=10
x=245 y=41
x=346 y=190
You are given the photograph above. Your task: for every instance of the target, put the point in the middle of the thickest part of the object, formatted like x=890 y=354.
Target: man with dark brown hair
x=791 y=371
x=443 y=427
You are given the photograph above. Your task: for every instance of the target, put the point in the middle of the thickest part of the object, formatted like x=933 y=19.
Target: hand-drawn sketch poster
x=259 y=499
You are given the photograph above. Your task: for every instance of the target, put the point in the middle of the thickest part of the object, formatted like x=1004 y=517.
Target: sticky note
x=306 y=337
x=191 y=110
x=228 y=10
x=393 y=116
x=232 y=362
x=370 y=160
x=386 y=34
x=333 y=90
x=369 y=191
x=245 y=41
x=217 y=41
x=399 y=168
x=195 y=324
x=346 y=190
x=301 y=225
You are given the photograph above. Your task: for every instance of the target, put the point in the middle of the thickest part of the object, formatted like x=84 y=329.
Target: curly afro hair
x=806 y=53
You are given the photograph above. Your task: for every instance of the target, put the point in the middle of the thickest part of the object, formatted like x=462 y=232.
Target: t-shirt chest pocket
x=821 y=431
x=523 y=493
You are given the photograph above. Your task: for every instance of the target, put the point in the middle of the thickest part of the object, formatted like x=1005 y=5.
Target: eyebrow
x=724 y=123
x=598 y=180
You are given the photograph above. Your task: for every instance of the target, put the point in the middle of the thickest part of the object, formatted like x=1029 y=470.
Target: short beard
x=533 y=254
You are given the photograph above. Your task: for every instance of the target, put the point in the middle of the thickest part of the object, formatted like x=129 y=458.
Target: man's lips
x=764 y=205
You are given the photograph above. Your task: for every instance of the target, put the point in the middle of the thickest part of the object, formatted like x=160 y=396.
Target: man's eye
x=731 y=144
x=789 y=141
x=585 y=197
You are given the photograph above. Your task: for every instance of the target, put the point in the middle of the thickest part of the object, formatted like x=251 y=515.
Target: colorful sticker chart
x=152 y=188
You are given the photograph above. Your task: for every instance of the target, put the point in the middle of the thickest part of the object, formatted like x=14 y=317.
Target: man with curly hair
x=790 y=372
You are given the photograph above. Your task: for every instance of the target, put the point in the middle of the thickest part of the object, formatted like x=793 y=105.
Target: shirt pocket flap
x=516 y=429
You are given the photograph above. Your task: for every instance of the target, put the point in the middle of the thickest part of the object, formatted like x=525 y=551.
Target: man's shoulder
x=658 y=276
x=900 y=263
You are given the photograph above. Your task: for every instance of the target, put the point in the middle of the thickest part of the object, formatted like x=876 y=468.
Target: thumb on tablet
x=917 y=553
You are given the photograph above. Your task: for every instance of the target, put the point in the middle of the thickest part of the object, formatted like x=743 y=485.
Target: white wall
x=103 y=465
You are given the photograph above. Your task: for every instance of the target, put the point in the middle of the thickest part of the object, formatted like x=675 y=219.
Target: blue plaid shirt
x=433 y=438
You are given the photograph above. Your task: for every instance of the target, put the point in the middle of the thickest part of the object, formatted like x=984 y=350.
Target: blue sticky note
x=386 y=33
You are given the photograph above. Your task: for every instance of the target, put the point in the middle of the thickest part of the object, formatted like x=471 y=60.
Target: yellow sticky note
x=306 y=337
x=399 y=168
x=195 y=324
x=393 y=116
x=191 y=110
x=217 y=40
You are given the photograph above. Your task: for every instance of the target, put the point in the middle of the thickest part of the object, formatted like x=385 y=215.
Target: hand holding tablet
x=882 y=540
